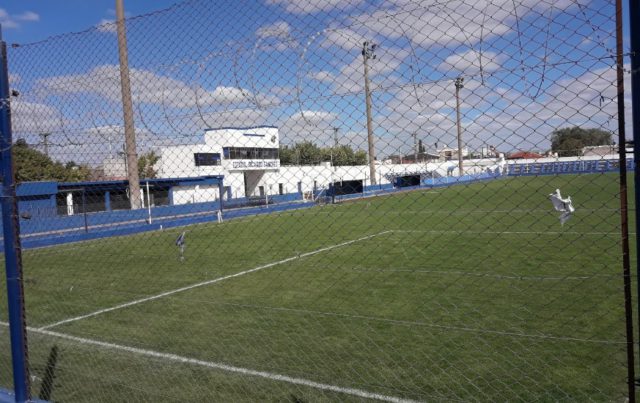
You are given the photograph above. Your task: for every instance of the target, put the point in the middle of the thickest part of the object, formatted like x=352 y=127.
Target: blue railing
x=42 y=231
x=567 y=167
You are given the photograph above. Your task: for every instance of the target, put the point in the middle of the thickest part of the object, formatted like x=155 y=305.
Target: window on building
x=206 y=159
x=280 y=188
x=159 y=196
x=119 y=199
x=87 y=201
x=250 y=153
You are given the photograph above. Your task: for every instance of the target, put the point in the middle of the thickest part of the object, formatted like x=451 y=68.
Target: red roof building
x=520 y=155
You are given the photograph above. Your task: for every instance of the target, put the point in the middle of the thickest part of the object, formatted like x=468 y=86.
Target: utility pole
x=127 y=109
x=335 y=146
x=459 y=84
x=367 y=54
x=45 y=141
x=415 y=148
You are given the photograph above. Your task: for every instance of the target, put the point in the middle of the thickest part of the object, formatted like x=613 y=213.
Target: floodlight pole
x=459 y=84
x=45 y=141
x=415 y=147
x=127 y=109
x=335 y=145
x=12 y=245
x=367 y=54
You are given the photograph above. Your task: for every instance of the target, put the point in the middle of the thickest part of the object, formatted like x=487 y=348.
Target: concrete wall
x=308 y=178
x=195 y=194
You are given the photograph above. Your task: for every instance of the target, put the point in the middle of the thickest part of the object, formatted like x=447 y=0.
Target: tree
x=146 y=165
x=33 y=165
x=308 y=153
x=286 y=155
x=571 y=140
x=344 y=155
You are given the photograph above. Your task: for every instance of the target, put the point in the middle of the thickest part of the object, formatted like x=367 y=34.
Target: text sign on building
x=253 y=164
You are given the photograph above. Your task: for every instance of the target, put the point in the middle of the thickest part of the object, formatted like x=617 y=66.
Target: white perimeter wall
x=305 y=178
x=195 y=194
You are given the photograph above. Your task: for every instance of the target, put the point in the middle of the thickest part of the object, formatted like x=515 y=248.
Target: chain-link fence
x=343 y=200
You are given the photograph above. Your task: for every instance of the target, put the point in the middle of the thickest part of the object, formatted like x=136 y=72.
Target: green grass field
x=465 y=293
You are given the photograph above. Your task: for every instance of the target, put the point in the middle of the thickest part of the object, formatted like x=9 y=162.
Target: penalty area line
x=220 y=366
x=208 y=282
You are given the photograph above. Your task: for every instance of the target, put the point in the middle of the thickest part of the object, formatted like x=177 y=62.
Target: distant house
x=520 y=155
x=448 y=154
x=599 y=151
x=411 y=158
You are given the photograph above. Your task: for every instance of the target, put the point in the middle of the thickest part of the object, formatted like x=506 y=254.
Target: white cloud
x=314 y=6
x=147 y=87
x=314 y=125
x=313 y=117
x=114 y=134
x=280 y=30
x=233 y=117
x=28 y=16
x=107 y=25
x=34 y=117
x=322 y=76
x=588 y=100
x=471 y=62
x=351 y=77
x=13 y=21
x=93 y=145
x=276 y=36
x=502 y=112
x=344 y=38
x=6 y=20
x=452 y=23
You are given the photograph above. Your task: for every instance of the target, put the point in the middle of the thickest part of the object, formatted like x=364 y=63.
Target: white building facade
x=248 y=159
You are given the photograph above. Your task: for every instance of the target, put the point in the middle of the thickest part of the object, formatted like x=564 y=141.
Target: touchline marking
x=224 y=367
x=212 y=281
x=431 y=325
x=463 y=232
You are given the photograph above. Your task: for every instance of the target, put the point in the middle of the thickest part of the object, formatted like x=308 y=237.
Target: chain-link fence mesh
x=336 y=201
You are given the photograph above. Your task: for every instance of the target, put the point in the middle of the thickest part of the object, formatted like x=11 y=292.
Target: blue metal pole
x=634 y=28
x=221 y=193
x=12 y=248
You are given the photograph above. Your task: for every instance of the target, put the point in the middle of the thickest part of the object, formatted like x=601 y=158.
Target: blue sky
x=52 y=18
x=296 y=64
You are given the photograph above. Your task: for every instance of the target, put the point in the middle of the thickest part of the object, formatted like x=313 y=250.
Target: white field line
x=489 y=275
x=428 y=325
x=212 y=281
x=220 y=366
x=372 y=193
x=463 y=232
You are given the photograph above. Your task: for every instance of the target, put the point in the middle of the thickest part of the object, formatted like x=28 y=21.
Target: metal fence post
x=634 y=15
x=12 y=248
x=624 y=218
x=221 y=192
x=84 y=210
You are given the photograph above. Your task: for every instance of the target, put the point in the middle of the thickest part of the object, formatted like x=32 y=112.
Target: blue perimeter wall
x=42 y=231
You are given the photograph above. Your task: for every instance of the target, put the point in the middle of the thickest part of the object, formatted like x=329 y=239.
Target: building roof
x=241 y=127
x=524 y=155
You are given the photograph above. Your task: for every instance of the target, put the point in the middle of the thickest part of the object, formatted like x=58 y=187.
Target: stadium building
x=247 y=158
